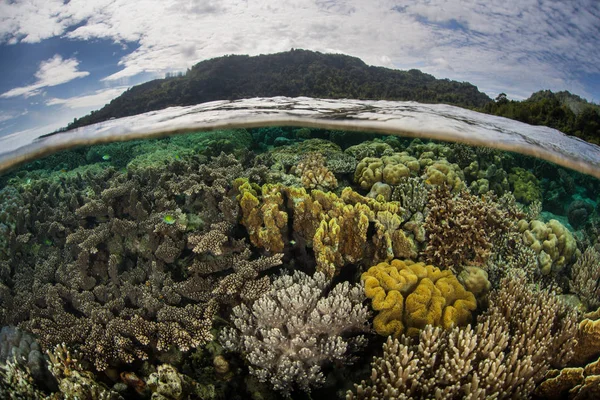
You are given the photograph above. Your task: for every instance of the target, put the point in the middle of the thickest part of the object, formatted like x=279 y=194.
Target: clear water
x=266 y=262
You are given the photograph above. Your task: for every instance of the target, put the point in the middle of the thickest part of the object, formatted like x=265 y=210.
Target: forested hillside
x=564 y=111
x=307 y=73
x=292 y=73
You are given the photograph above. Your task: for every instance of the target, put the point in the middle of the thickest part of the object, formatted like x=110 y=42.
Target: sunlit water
x=267 y=248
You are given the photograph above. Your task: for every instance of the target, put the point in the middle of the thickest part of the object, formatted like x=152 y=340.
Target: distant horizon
x=61 y=61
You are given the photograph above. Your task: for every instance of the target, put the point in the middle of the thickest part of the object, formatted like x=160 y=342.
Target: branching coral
x=296 y=328
x=581 y=379
x=585 y=280
x=99 y=262
x=462 y=230
x=410 y=296
x=515 y=342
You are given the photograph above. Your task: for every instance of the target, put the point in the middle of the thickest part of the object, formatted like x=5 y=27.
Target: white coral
x=292 y=330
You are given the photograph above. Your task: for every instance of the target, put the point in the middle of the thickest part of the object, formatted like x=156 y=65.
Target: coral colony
x=286 y=263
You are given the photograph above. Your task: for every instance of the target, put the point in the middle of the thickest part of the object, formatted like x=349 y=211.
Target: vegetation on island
x=313 y=74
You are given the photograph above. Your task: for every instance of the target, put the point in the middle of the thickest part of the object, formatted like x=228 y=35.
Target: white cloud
x=518 y=45
x=8 y=115
x=52 y=72
x=98 y=99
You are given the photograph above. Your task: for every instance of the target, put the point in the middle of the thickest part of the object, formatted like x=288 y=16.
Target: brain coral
x=411 y=295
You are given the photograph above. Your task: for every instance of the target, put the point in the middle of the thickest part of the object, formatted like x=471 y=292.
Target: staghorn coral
x=461 y=230
x=522 y=335
x=314 y=173
x=410 y=296
x=553 y=243
x=585 y=278
x=295 y=329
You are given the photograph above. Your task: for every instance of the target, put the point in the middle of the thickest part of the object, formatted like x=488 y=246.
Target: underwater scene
x=303 y=263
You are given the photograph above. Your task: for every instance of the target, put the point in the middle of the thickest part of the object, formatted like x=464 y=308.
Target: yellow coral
x=388 y=169
x=442 y=172
x=264 y=218
x=553 y=243
x=411 y=295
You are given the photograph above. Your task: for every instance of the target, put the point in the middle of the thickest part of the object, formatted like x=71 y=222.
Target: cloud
x=98 y=99
x=518 y=45
x=52 y=72
x=8 y=115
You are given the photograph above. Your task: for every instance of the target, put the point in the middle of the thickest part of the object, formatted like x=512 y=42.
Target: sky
x=59 y=60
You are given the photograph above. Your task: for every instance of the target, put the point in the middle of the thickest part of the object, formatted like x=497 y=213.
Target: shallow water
x=273 y=261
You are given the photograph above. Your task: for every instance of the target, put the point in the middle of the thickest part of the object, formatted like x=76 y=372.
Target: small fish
x=28 y=181
x=169 y=219
x=106 y=157
x=177 y=157
x=63 y=170
x=48 y=242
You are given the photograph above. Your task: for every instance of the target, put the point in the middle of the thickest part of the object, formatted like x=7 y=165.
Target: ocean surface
x=300 y=248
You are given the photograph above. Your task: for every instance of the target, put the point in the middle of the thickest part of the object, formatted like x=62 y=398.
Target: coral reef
x=292 y=331
x=388 y=169
x=462 y=230
x=525 y=185
x=553 y=243
x=579 y=212
x=313 y=172
x=22 y=348
x=522 y=335
x=168 y=384
x=581 y=378
x=585 y=278
x=410 y=296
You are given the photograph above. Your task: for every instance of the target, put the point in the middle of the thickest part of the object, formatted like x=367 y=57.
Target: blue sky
x=61 y=59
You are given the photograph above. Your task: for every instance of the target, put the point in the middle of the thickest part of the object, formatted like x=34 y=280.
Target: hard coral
x=462 y=229
x=553 y=243
x=264 y=218
x=388 y=169
x=410 y=296
x=523 y=334
x=314 y=173
x=297 y=327
x=525 y=185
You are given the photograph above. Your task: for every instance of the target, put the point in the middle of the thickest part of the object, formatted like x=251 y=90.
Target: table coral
x=411 y=295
